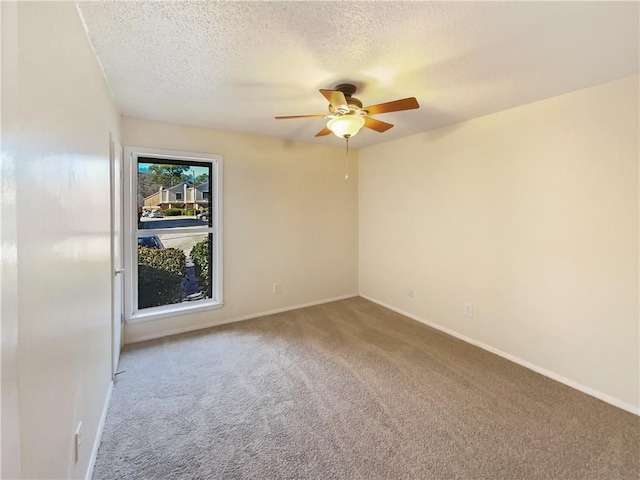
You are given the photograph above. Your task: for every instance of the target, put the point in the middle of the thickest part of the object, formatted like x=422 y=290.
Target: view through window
x=175 y=232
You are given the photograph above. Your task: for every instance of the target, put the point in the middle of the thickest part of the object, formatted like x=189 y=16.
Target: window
x=174 y=250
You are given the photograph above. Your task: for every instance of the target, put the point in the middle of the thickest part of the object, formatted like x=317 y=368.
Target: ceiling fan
x=347 y=115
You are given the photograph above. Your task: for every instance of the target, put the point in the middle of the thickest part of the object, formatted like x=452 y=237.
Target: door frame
x=116 y=172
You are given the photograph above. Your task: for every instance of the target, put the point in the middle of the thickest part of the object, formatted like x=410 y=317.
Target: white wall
x=532 y=215
x=56 y=238
x=289 y=216
x=9 y=420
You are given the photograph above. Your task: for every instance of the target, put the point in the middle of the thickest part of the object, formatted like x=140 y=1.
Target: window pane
x=173 y=193
x=173 y=268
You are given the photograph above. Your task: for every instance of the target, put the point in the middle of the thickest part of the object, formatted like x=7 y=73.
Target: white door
x=117 y=252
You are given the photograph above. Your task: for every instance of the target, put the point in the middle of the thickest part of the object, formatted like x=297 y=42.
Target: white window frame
x=132 y=314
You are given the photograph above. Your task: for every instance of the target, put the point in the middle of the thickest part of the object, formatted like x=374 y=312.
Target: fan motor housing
x=348 y=89
x=354 y=102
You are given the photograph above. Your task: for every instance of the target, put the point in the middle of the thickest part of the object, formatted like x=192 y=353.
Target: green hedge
x=200 y=253
x=160 y=275
x=172 y=212
x=189 y=211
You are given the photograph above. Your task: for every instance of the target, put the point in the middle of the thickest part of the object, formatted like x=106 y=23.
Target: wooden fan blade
x=395 y=106
x=336 y=98
x=376 y=125
x=323 y=132
x=300 y=116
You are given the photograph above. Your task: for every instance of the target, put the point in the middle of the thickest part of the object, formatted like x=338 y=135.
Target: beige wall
x=289 y=216
x=56 y=295
x=152 y=201
x=531 y=215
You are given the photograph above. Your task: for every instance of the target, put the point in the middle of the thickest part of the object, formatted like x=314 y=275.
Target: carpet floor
x=350 y=390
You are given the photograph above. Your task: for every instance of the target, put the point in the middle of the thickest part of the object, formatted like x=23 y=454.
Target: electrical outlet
x=468 y=309
x=276 y=288
x=410 y=292
x=78 y=441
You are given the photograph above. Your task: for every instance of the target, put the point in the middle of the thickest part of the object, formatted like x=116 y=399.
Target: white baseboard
x=96 y=443
x=542 y=371
x=166 y=333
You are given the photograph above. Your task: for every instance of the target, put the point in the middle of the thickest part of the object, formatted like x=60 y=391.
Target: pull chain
x=346 y=167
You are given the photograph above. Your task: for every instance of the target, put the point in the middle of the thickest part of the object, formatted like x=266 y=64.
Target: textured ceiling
x=236 y=65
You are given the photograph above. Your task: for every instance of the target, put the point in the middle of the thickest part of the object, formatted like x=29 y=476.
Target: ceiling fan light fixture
x=345 y=126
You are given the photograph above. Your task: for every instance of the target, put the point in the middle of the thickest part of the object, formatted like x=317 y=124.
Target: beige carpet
x=350 y=390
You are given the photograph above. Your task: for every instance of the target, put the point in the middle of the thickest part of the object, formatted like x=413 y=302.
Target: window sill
x=159 y=313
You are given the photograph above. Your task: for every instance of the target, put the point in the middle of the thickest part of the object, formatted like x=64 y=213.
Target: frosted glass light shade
x=345 y=125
